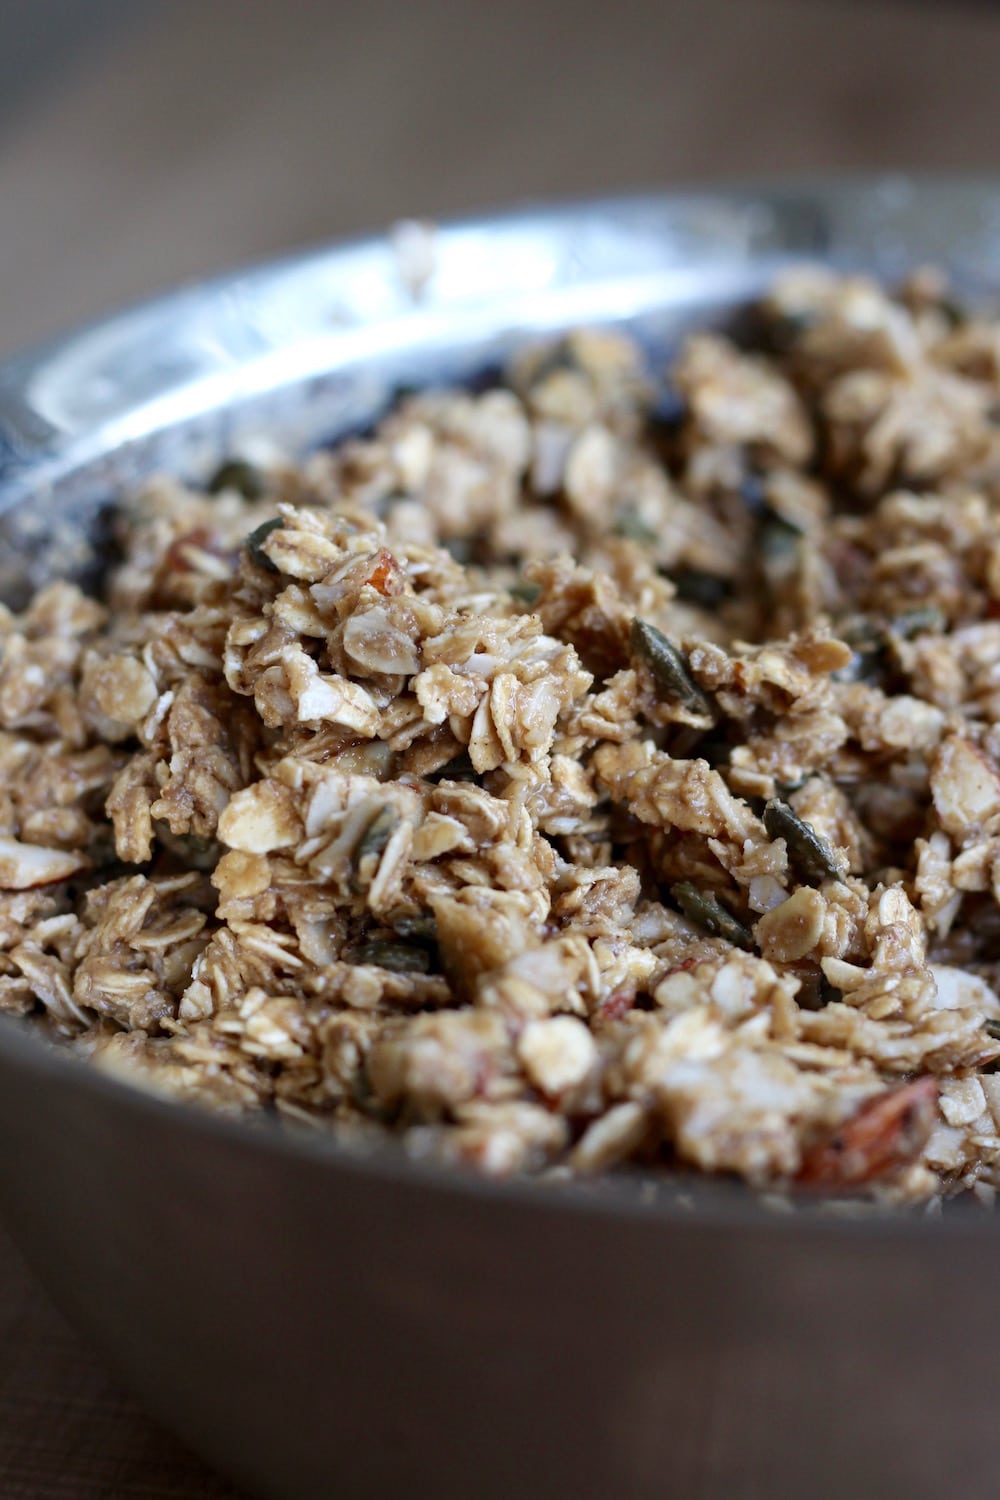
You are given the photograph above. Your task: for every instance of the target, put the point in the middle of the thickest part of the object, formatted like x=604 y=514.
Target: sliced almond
x=23 y=866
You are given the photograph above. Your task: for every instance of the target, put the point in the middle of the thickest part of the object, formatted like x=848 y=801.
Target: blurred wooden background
x=179 y=136
x=146 y=142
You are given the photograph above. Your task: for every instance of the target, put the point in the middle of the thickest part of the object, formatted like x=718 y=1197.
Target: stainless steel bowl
x=318 y=1322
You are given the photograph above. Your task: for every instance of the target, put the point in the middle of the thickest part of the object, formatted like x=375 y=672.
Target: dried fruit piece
x=883 y=1135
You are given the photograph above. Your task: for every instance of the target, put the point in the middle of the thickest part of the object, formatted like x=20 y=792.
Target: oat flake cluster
x=592 y=770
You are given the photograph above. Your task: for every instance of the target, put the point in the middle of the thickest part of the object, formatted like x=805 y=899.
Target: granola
x=595 y=770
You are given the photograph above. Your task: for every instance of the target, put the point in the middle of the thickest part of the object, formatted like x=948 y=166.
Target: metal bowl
x=316 y=1321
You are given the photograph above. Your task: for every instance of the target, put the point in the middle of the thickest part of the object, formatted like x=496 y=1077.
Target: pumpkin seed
x=953 y=312
x=786 y=326
x=398 y=958
x=668 y=411
x=377 y=834
x=237 y=474
x=777 y=537
x=458 y=769
x=419 y=930
x=815 y=990
x=526 y=592
x=927 y=620
x=992 y=1028
x=812 y=854
x=256 y=538
x=634 y=529
x=707 y=912
x=754 y=495
x=668 y=667
x=868 y=645
x=695 y=586
x=460 y=549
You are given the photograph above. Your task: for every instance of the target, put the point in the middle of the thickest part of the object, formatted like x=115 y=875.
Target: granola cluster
x=592 y=769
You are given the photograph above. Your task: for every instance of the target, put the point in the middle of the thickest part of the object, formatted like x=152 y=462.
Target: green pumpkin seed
x=815 y=990
x=256 y=538
x=927 y=620
x=705 y=911
x=992 y=1029
x=237 y=474
x=399 y=958
x=526 y=592
x=634 y=529
x=813 y=855
x=668 y=668
x=695 y=586
x=458 y=769
x=377 y=834
x=777 y=538
x=419 y=930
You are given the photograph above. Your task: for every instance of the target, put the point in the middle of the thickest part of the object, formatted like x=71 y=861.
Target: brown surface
x=229 y=129
x=66 y=1431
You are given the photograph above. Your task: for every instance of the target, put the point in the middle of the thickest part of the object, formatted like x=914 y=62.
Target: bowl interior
x=299 y=353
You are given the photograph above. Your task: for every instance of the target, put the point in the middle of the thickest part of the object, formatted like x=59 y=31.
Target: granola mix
x=594 y=769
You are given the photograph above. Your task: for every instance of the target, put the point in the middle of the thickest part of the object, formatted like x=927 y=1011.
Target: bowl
x=318 y=1320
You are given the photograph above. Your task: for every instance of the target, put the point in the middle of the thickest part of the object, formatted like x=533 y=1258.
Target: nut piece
x=965 y=787
x=260 y=818
x=557 y=1054
x=117 y=692
x=789 y=931
x=23 y=866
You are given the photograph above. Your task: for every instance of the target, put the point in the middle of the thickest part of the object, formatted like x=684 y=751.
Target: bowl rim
x=26 y=460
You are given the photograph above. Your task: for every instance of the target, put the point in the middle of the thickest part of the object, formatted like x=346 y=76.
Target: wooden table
x=222 y=130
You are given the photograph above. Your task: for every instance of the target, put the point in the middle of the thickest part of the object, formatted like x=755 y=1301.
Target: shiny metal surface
x=317 y=1322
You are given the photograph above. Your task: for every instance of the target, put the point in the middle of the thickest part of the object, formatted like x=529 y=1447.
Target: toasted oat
x=556 y=778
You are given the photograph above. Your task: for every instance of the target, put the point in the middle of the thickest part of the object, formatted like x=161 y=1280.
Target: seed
x=668 y=668
x=458 y=769
x=815 y=990
x=927 y=620
x=460 y=548
x=668 y=411
x=812 y=854
x=788 y=325
x=255 y=540
x=377 y=834
x=777 y=538
x=867 y=642
x=697 y=587
x=634 y=529
x=421 y=930
x=754 y=495
x=707 y=912
x=399 y=958
x=526 y=592
x=952 y=311
x=237 y=474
